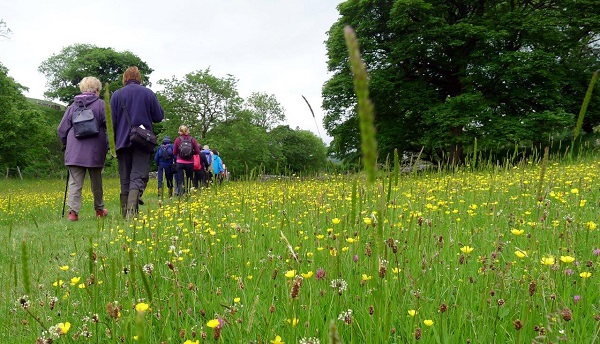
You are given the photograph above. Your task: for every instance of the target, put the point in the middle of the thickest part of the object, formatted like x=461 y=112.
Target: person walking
x=138 y=105
x=85 y=152
x=184 y=149
x=218 y=169
x=164 y=159
x=200 y=169
x=208 y=172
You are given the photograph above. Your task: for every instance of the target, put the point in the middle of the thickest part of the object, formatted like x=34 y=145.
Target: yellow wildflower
x=548 y=260
x=64 y=327
x=308 y=274
x=567 y=259
x=277 y=340
x=142 y=307
x=213 y=323
x=521 y=253
x=466 y=249
x=517 y=231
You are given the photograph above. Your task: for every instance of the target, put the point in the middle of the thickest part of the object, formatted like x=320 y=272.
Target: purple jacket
x=142 y=106
x=89 y=151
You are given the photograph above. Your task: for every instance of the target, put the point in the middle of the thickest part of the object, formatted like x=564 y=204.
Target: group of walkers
x=83 y=132
x=192 y=169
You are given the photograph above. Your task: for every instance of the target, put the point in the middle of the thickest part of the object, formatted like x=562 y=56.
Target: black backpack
x=166 y=152
x=186 y=148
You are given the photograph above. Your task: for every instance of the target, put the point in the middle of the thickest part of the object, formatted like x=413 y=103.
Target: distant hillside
x=47 y=103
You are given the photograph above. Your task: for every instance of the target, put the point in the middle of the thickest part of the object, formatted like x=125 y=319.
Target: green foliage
x=65 y=70
x=266 y=110
x=23 y=122
x=242 y=145
x=443 y=74
x=302 y=151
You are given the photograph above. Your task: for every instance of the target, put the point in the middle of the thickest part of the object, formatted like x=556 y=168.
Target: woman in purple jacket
x=143 y=109
x=86 y=153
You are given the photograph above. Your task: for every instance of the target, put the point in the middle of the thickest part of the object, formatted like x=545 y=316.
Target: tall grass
x=502 y=254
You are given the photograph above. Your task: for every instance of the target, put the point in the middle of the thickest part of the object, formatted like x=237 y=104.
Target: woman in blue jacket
x=217 y=166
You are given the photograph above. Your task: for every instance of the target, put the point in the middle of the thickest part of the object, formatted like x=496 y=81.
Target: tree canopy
x=200 y=100
x=26 y=136
x=266 y=110
x=444 y=73
x=64 y=71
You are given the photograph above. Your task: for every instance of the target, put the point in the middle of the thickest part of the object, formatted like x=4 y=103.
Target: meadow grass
x=499 y=255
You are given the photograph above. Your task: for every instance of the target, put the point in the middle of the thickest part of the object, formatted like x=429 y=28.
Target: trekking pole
x=65 y=198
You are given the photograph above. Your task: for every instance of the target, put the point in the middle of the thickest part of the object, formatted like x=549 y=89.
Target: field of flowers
x=503 y=255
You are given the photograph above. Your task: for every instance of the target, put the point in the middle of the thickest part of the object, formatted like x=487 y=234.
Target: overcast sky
x=271 y=46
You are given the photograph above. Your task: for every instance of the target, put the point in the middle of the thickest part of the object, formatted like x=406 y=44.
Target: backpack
x=208 y=156
x=84 y=122
x=186 y=148
x=166 y=152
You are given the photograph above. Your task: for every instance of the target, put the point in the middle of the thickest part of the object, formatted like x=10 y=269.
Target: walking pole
x=65 y=199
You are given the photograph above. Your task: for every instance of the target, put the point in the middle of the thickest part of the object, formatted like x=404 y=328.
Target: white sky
x=271 y=46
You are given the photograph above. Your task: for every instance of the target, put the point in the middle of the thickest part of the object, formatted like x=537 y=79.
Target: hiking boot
x=101 y=213
x=72 y=216
x=132 y=203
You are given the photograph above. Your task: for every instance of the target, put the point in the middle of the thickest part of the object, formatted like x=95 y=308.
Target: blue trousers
x=168 y=174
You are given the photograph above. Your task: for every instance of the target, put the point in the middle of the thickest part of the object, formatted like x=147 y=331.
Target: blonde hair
x=184 y=130
x=132 y=73
x=90 y=84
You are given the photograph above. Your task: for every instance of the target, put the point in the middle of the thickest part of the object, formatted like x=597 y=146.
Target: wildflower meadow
x=495 y=255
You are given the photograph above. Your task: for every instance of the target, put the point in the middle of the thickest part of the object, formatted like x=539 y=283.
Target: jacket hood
x=85 y=98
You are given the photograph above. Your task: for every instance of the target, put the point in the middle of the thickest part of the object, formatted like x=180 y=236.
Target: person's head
x=184 y=130
x=132 y=73
x=215 y=152
x=205 y=147
x=166 y=140
x=90 y=84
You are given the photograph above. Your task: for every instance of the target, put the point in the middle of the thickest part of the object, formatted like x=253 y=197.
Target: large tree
x=302 y=150
x=27 y=136
x=443 y=73
x=266 y=111
x=65 y=70
x=200 y=100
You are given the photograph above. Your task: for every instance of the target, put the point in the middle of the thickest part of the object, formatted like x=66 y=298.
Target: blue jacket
x=142 y=106
x=90 y=151
x=217 y=165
